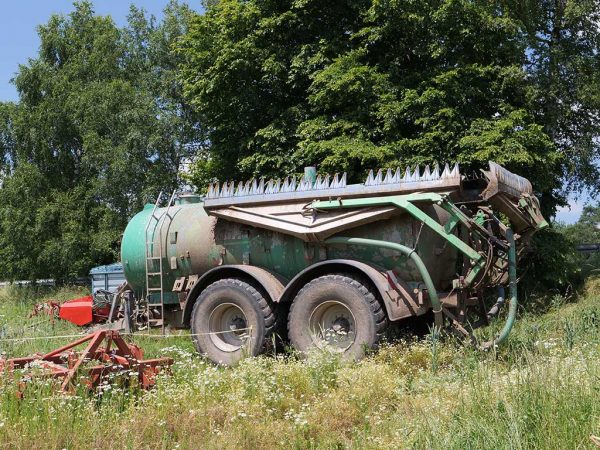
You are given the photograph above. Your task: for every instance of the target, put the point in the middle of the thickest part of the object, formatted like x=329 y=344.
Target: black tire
x=224 y=305
x=338 y=312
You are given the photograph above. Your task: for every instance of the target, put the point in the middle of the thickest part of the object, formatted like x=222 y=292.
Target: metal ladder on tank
x=156 y=221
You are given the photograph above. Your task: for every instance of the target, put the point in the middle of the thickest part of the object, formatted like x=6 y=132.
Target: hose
x=410 y=253
x=512 y=287
x=433 y=296
x=493 y=312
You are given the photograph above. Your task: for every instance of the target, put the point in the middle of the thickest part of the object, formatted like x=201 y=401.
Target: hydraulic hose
x=512 y=288
x=411 y=254
x=494 y=310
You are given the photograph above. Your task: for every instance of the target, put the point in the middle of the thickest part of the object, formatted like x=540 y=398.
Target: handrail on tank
x=410 y=253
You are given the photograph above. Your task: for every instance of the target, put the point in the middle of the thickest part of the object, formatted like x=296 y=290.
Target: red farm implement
x=80 y=311
x=67 y=365
x=84 y=311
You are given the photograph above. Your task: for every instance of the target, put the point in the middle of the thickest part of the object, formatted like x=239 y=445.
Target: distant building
x=107 y=278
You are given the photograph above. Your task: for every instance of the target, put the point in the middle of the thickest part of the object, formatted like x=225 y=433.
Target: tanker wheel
x=231 y=320
x=336 y=312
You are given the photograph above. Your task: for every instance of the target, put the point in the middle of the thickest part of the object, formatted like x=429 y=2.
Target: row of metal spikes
x=399 y=176
x=262 y=187
x=259 y=187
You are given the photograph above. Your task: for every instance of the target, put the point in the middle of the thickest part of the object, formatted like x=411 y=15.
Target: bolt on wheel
x=332 y=325
x=231 y=320
x=336 y=312
x=229 y=325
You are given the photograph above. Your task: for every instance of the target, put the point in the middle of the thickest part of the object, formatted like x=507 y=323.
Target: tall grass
x=541 y=390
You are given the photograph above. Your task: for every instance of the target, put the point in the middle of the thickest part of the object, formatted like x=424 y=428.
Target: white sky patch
x=572 y=212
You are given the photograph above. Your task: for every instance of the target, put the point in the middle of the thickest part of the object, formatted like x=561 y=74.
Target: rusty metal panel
x=296 y=220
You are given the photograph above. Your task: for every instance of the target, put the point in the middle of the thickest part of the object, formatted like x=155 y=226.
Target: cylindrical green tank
x=194 y=242
x=187 y=240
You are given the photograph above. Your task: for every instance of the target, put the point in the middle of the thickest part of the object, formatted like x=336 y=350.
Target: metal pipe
x=512 y=288
x=410 y=253
x=310 y=174
x=493 y=312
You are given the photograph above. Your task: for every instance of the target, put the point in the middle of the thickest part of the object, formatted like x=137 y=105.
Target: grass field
x=541 y=390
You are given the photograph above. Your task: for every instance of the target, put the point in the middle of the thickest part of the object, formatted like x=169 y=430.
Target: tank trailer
x=328 y=264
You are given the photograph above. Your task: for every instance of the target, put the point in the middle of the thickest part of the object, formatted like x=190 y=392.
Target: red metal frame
x=65 y=362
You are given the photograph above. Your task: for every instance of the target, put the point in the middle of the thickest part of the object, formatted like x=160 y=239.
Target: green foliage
x=351 y=85
x=107 y=114
x=101 y=127
x=563 y=40
x=553 y=263
x=587 y=229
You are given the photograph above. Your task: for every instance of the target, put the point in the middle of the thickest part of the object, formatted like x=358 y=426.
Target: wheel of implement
x=336 y=312
x=231 y=320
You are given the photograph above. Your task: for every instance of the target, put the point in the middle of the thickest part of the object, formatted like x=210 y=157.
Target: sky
x=19 y=41
x=19 y=19
x=571 y=213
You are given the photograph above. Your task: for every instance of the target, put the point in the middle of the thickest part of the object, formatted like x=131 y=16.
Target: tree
x=562 y=59
x=100 y=128
x=587 y=229
x=355 y=84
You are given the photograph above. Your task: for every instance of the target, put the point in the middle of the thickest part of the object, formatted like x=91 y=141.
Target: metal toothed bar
x=389 y=181
x=407 y=176
x=259 y=187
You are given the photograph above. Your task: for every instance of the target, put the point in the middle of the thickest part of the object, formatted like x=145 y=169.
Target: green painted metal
x=438 y=257
x=527 y=204
x=310 y=174
x=187 y=243
x=270 y=225
x=479 y=218
x=284 y=255
x=407 y=203
x=478 y=267
x=133 y=253
x=195 y=242
x=418 y=214
x=203 y=242
x=410 y=253
x=451 y=224
x=187 y=199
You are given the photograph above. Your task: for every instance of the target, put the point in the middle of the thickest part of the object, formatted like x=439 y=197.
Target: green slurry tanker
x=330 y=264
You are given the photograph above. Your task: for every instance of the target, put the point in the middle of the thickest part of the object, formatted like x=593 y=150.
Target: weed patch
x=538 y=391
